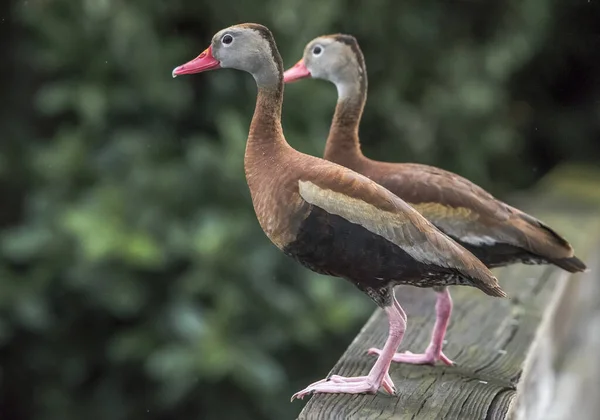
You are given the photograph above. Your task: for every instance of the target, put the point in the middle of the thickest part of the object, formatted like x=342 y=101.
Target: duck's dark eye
x=227 y=39
x=317 y=50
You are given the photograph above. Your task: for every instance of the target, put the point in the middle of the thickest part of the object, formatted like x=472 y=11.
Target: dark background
x=135 y=282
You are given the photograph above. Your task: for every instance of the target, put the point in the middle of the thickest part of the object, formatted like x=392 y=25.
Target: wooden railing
x=533 y=356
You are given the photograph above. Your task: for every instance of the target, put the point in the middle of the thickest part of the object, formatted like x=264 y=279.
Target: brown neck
x=265 y=139
x=343 y=144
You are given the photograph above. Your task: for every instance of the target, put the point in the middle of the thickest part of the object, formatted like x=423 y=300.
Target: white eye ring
x=227 y=40
x=317 y=50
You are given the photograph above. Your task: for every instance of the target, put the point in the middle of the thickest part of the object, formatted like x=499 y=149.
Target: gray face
x=331 y=60
x=245 y=49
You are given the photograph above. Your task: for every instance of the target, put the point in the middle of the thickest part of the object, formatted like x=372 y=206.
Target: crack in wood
x=495 y=404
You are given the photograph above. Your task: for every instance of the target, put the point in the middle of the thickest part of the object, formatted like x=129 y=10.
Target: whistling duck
x=330 y=219
x=495 y=232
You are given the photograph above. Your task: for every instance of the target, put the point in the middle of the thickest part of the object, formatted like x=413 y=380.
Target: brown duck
x=493 y=231
x=329 y=218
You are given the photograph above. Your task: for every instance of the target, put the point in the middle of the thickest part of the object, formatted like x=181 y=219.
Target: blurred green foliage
x=135 y=281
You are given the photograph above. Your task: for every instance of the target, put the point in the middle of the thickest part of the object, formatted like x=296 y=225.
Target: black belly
x=329 y=244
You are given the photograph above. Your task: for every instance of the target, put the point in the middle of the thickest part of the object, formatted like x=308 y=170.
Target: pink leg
x=433 y=353
x=379 y=374
x=399 y=308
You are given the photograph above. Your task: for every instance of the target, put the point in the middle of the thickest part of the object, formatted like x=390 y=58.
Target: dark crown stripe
x=268 y=36
x=353 y=44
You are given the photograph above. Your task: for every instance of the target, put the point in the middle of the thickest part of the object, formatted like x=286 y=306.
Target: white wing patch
x=478 y=240
x=396 y=227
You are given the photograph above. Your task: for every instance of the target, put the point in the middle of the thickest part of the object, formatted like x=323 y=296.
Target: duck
x=495 y=232
x=330 y=219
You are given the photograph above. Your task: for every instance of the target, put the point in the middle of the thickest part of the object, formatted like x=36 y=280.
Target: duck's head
x=335 y=58
x=248 y=47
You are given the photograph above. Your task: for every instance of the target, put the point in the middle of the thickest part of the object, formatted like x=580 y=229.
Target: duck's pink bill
x=299 y=71
x=203 y=62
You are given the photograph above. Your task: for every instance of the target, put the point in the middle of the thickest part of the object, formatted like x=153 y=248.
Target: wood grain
x=488 y=338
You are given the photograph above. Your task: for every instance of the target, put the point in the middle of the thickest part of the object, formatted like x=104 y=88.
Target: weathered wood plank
x=562 y=374
x=489 y=339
